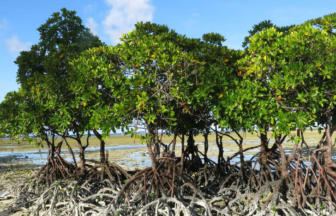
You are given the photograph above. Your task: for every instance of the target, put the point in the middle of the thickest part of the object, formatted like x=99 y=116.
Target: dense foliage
x=72 y=84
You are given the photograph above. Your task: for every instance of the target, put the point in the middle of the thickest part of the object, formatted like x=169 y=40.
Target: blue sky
x=19 y=20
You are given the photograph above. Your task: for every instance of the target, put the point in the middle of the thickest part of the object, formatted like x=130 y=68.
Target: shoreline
x=131 y=157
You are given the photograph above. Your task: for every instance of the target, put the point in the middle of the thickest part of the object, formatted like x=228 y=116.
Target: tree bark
x=81 y=156
x=206 y=147
x=150 y=151
x=284 y=172
x=328 y=144
x=102 y=152
x=174 y=144
x=182 y=154
x=264 y=148
x=221 y=151
x=102 y=146
x=191 y=145
x=157 y=144
x=59 y=147
x=53 y=150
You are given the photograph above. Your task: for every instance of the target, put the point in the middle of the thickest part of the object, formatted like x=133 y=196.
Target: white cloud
x=16 y=46
x=89 y=8
x=4 y=23
x=92 y=25
x=124 y=14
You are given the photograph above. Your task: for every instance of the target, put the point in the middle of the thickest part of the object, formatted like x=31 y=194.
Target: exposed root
x=55 y=168
x=306 y=188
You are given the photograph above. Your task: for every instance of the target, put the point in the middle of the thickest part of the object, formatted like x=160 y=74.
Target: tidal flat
x=21 y=161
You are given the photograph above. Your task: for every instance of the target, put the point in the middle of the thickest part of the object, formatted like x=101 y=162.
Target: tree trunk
x=191 y=145
x=264 y=148
x=102 y=152
x=219 y=142
x=59 y=147
x=102 y=146
x=283 y=165
x=174 y=144
x=241 y=151
x=328 y=144
x=81 y=156
x=157 y=144
x=150 y=151
x=182 y=154
x=206 y=147
x=53 y=150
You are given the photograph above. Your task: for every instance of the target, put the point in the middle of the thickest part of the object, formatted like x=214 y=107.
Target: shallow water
x=139 y=159
x=40 y=157
x=136 y=159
